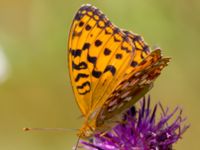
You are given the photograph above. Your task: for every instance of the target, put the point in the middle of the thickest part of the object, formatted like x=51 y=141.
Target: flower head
x=142 y=130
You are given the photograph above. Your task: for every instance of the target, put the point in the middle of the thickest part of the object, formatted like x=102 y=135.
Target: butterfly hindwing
x=133 y=87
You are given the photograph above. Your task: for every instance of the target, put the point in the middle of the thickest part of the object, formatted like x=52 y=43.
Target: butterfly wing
x=99 y=53
x=141 y=51
x=138 y=80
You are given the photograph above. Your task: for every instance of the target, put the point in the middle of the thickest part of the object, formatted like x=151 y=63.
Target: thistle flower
x=142 y=130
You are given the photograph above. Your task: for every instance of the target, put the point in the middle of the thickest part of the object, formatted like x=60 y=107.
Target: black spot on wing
x=85 y=84
x=134 y=63
x=140 y=40
x=91 y=59
x=81 y=75
x=76 y=34
x=116 y=30
x=137 y=38
x=86 y=46
x=83 y=93
x=141 y=56
x=88 y=27
x=110 y=68
x=118 y=56
x=76 y=53
x=81 y=24
x=125 y=49
x=146 y=48
x=101 y=16
x=81 y=65
x=98 y=43
x=96 y=74
x=107 y=32
x=101 y=24
x=78 y=16
x=116 y=40
x=107 y=51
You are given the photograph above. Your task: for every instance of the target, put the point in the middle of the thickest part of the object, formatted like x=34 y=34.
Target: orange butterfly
x=110 y=69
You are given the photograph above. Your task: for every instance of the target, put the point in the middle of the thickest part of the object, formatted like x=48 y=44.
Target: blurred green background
x=34 y=87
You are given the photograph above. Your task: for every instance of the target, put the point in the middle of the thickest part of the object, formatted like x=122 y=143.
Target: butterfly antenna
x=48 y=129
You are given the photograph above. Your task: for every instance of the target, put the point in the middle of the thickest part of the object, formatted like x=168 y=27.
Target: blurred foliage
x=37 y=93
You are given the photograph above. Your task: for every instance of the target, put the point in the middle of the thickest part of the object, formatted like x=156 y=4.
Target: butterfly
x=110 y=69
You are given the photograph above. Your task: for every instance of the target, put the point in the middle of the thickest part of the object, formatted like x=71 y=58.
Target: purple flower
x=142 y=130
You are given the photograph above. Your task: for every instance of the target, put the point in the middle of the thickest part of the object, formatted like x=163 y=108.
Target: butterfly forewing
x=99 y=53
